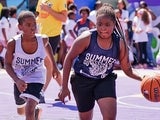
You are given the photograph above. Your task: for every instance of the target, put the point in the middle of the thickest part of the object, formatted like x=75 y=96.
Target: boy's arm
x=9 y=58
x=50 y=54
x=8 y=62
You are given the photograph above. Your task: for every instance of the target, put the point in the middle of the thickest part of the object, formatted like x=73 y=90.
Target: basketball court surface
x=131 y=105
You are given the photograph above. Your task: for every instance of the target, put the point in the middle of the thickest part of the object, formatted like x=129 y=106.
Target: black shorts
x=33 y=91
x=87 y=90
x=20 y=102
x=54 y=42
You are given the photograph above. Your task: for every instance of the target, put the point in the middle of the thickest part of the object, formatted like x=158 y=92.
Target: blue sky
x=13 y=2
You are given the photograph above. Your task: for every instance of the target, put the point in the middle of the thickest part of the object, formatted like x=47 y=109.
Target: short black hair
x=23 y=15
x=13 y=10
x=72 y=6
x=85 y=8
x=70 y=12
x=143 y=4
x=107 y=10
x=4 y=12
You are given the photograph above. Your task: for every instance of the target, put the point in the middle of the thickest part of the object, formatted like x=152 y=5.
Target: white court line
x=119 y=100
x=5 y=93
x=47 y=99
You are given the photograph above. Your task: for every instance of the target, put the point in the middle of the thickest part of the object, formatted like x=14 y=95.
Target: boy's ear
x=20 y=27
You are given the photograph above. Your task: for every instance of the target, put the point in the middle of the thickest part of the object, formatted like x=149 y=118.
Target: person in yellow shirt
x=52 y=13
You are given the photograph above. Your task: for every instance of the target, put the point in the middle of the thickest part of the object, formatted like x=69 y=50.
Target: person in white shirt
x=62 y=46
x=152 y=16
x=92 y=15
x=144 y=5
x=13 y=30
x=70 y=23
x=122 y=6
x=4 y=28
x=69 y=36
x=24 y=62
x=134 y=38
x=141 y=37
x=118 y=14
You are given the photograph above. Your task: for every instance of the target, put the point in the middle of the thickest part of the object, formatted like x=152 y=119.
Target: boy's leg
x=30 y=109
x=32 y=95
x=19 y=101
x=21 y=104
x=38 y=112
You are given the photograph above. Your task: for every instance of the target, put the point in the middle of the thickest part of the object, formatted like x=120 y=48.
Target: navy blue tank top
x=82 y=27
x=96 y=62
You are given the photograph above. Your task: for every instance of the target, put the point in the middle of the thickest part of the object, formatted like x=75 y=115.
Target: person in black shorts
x=93 y=55
x=24 y=61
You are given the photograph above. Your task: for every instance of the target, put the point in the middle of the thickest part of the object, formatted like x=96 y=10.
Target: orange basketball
x=150 y=88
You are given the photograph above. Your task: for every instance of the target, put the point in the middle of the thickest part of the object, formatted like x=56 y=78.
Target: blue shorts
x=87 y=90
x=33 y=91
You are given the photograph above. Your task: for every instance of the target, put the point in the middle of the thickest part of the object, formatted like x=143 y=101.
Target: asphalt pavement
x=131 y=105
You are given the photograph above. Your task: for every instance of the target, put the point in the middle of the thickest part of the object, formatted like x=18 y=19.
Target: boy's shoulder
x=17 y=37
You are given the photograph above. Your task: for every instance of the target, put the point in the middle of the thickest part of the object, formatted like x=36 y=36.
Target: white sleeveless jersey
x=30 y=67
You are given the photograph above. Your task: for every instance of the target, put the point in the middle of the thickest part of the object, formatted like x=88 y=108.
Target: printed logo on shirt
x=98 y=65
x=28 y=66
x=81 y=30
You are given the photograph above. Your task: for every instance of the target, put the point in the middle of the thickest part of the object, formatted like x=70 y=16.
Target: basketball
x=150 y=88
